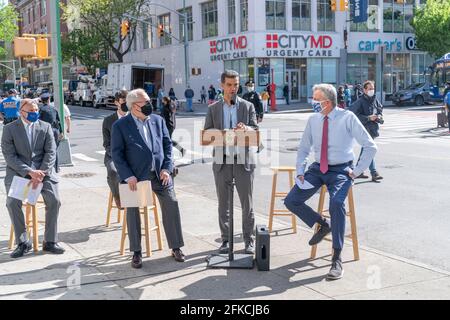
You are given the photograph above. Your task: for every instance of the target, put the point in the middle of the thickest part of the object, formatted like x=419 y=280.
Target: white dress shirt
x=28 y=130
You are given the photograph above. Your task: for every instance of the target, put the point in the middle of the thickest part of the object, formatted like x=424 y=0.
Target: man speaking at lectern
x=238 y=114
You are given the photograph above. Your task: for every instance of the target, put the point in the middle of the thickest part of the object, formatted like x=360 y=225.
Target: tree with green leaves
x=431 y=25
x=103 y=19
x=8 y=26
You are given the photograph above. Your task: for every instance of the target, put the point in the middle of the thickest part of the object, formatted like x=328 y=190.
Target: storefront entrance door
x=398 y=80
x=294 y=83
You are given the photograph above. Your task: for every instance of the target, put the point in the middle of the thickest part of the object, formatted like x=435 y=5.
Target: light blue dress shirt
x=229 y=112
x=343 y=128
x=144 y=130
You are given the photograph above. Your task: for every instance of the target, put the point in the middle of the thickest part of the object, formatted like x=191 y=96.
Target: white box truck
x=129 y=76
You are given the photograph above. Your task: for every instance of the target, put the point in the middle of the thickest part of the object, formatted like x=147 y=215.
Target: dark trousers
x=448 y=118
x=113 y=180
x=338 y=183
x=170 y=217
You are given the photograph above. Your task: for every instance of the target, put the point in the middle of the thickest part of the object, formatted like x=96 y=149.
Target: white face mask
x=371 y=93
x=250 y=88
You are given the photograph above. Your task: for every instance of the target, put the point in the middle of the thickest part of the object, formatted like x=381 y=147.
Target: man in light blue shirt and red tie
x=330 y=132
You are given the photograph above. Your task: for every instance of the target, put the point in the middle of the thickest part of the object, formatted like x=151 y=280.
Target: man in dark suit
x=51 y=116
x=112 y=176
x=142 y=150
x=233 y=113
x=29 y=150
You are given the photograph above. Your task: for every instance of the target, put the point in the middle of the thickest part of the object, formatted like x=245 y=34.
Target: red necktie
x=324 y=147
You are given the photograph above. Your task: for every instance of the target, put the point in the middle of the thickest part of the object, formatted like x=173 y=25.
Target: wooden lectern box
x=220 y=138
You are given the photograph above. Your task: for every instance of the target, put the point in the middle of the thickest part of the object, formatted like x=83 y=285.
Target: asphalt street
x=406 y=214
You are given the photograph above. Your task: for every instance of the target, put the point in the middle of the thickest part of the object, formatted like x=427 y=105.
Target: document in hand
x=140 y=198
x=305 y=185
x=21 y=189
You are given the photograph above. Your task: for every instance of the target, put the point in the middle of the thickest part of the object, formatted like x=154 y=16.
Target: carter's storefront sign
x=374 y=45
x=303 y=46
x=228 y=48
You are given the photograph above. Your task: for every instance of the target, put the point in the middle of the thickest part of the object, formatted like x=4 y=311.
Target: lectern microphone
x=233 y=99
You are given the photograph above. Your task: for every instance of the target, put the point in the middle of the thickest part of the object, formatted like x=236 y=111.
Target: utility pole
x=64 y=154
x=186 y=56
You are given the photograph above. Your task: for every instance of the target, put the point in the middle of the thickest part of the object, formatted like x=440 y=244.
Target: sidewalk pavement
x=92 y=267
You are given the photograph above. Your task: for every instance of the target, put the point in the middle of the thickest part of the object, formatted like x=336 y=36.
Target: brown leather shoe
x=136 y=261
x=178 y=255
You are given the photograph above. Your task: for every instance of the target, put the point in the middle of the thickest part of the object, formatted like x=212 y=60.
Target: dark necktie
x=324 y=147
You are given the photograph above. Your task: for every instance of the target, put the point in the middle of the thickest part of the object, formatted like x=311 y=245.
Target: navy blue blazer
x=130 y=153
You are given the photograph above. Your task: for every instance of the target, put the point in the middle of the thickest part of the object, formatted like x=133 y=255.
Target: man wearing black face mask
x=112 y=176
x=142 y=150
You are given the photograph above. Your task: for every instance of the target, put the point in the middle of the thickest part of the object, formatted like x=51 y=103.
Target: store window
x=371 y=25
x=231 y=16
x=321 y=71
x=397 y=72
x=245 y=68
x=164 y=20
x=397 y=15
x=301 y=15
x=43 y=8
x=209 y=19
x=146 y=35
x=325 y=16
x=190 y=24
x=275 y=14
x=360 y=68
x=244 y=15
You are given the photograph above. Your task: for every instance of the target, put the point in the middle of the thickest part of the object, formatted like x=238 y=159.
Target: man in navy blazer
x=142 y=150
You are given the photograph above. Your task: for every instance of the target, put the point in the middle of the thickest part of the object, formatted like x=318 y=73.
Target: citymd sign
x=228 y=48
x=295 y=45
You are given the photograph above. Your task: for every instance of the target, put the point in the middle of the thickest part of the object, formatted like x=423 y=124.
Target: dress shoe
x=21 y=249
x=52 y=247
x=178 y=255
x=376 y=177
x=319 y=235
x=336 y=271
x=136 y=261
x=249 y=248
x=362 y=176
x=224 y=247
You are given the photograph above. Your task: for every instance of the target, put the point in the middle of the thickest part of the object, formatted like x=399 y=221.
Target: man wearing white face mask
x=370 y=112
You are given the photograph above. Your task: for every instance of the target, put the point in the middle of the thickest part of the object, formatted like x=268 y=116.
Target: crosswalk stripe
x=83 y=157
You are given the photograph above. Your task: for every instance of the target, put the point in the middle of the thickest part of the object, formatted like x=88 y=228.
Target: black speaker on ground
x=262 y=248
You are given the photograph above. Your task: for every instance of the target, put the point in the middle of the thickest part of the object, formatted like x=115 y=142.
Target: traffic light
x=161 y=31
x=42 y=48
x=344 y=5
x=333 y=5
x=125 y=28
x=24 y=47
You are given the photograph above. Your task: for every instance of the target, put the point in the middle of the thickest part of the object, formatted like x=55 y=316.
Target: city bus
x=439 y=76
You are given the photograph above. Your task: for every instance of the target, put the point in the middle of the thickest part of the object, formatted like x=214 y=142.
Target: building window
x=164 y=20
x=245 y=68
x=371 y=25
x=397 y=15
x=301 y=15
x=231 y=16
x=321 y=71
x=275 y=14
x=189 y=23
x=146 y=35
x=361 y=67
x=43 y=7
x=244 y=15
x=209 y=19
x=325 y=17
x=397 y=72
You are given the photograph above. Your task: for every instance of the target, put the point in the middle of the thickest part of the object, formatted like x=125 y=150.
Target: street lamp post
x=186 y=57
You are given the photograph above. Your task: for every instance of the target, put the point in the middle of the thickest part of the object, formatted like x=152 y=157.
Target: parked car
x=418 y=93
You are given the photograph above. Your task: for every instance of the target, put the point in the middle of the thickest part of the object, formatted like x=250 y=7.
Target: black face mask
x=124 y=107
x=147 y=109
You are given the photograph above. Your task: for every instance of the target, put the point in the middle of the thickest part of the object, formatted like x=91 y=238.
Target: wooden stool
x=31 y=223
x=351 y=214
x=147 y=229
x=276 y=212
x=112 y=205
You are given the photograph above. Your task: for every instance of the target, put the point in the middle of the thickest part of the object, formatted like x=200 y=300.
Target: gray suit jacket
x=214 y=120
x=106 y=129
x=21 y=158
